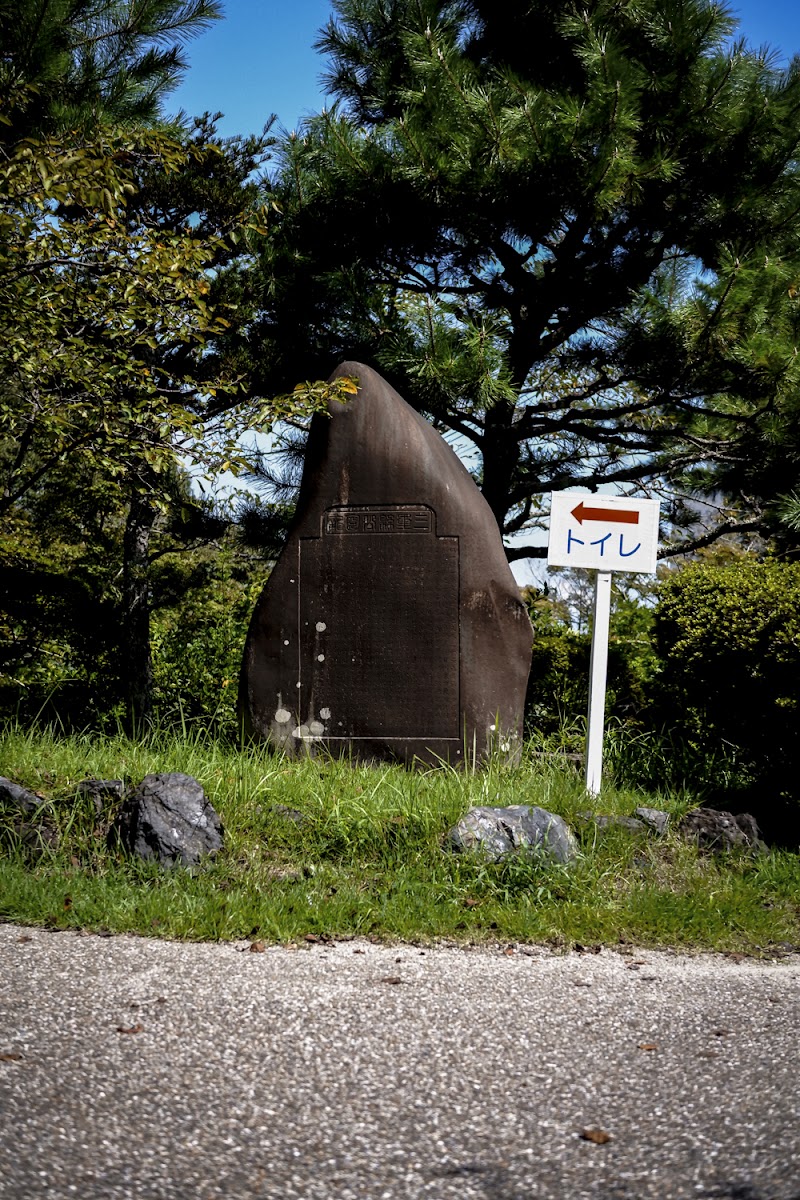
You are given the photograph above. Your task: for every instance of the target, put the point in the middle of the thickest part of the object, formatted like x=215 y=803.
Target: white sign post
x=602 y=534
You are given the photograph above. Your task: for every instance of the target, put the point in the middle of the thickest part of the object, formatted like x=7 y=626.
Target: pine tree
x=69 y=64
x=563 y=230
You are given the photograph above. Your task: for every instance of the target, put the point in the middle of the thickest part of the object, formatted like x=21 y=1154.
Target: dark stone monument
x=391 y=627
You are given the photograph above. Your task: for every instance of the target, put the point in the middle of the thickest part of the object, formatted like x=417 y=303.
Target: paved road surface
x=314 y=1074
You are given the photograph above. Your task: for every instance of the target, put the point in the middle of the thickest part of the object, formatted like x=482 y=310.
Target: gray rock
x=28 y=828
x=169 y=820
x=719 y=831
x=101 y=791
x=612 y=821
x=496 y=833
x=289 y=814
x=15 y=796
x=655 y=818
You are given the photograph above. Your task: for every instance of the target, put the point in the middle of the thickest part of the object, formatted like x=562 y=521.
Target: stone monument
x=391 y=627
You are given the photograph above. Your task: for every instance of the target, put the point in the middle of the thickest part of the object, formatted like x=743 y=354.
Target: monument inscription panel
x=380 y=670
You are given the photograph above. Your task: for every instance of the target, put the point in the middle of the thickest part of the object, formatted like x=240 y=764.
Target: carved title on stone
x=391 y=627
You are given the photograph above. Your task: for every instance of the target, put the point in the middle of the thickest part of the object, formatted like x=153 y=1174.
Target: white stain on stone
x=325 y=713
x=286 y=642
x=280 y=726
x=316 y=728
x=321 y=626
x=298 y=684
x=320 y=658
x=301 y=731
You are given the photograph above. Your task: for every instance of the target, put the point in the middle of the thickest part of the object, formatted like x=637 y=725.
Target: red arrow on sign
x=616 y=516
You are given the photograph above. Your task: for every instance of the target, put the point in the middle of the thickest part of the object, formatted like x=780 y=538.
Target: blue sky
x=259 y=60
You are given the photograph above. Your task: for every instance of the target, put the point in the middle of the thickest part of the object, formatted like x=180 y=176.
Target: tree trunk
x=501 y=453
x=136 y=660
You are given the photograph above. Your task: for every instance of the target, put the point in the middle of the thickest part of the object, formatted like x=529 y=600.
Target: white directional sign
x=602 y=533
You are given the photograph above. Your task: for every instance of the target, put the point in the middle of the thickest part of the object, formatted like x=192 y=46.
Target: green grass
x=368 y=859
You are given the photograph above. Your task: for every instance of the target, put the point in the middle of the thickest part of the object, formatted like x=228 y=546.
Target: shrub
x=558 y=685
x=728 y=638
x=197 y=646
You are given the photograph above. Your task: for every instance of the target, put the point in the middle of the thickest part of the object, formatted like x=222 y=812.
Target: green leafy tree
x=87 y=299
x=62 y=599
x=114 y=240
x=107 y=315
x=564 y=231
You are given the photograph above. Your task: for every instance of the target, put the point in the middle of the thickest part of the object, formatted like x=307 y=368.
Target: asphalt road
x=144 y=1069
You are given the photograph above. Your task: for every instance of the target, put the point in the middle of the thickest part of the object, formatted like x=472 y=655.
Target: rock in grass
x=26 y=826
x=167 y=819
x=654 y=818
x=13 y=795
x=644 y=820
x=496 y=833
x=289 y=814
x=719 y=831
x=612 y=821
x=101 y=791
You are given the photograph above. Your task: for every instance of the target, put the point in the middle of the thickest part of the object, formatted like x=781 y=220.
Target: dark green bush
x=197 y=646
x=728 y=638
x=558 y=685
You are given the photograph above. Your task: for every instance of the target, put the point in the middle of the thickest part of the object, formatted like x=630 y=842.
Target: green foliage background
x=728 y=644
x=61 y=623
x=197 y=648
x=558 y=685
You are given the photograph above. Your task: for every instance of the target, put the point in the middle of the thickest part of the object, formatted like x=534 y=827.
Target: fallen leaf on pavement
x=390 y=979
x=648 y=1046
x=133 y=1029
x=10 y=1057
x=257 y=947
x=598 y=1136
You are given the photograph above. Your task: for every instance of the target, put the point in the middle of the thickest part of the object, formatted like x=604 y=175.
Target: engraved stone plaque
x=381 y=670
x=391 y=627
